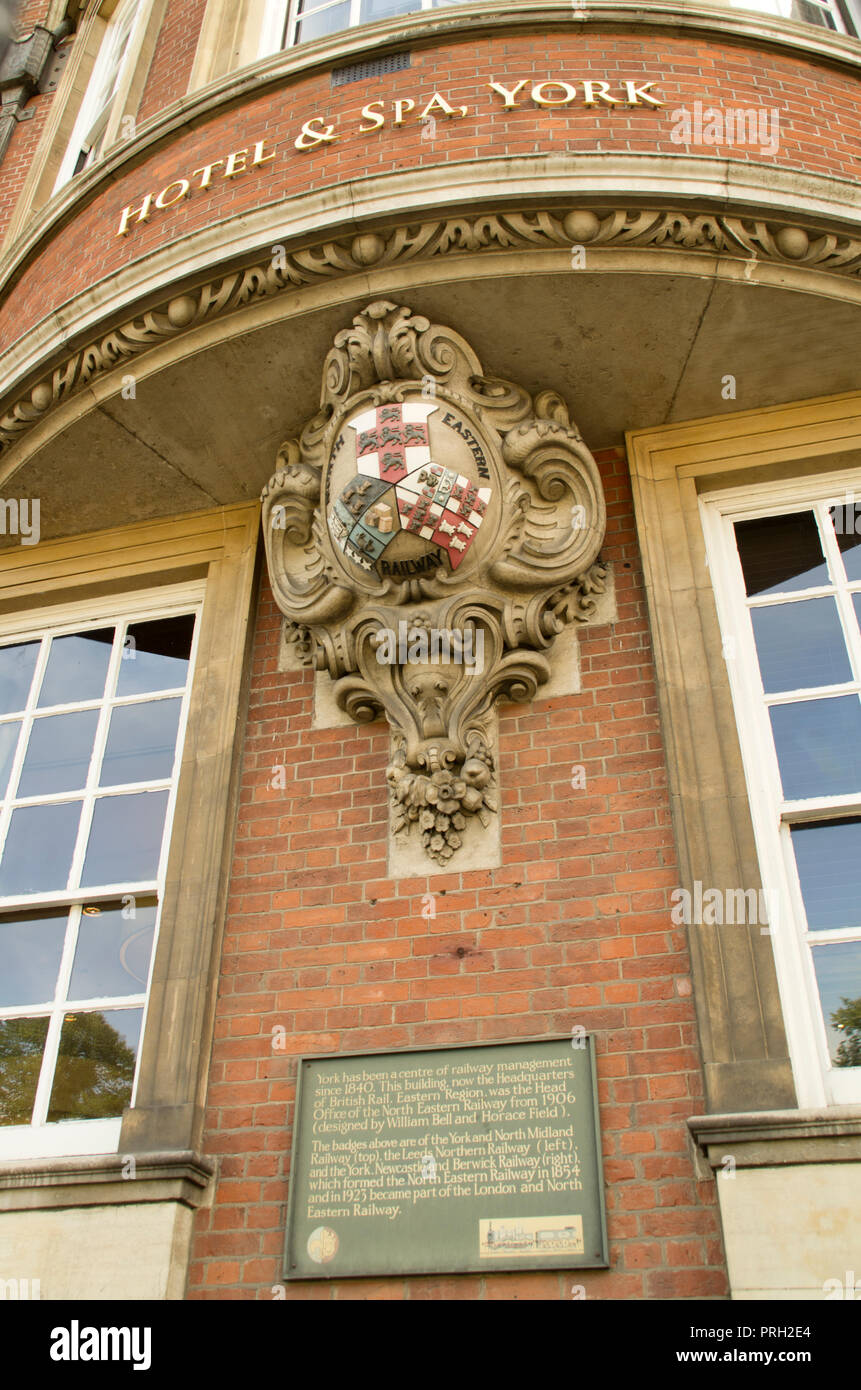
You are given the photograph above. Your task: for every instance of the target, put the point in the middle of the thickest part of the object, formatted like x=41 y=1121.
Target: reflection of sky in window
x=8 y=742
x=800 y=644
x=39 y=846
x=828 y=855
x=31 y=945
x=838 y=975
x=17 y=665
x=818 y=745
x=58 y=753
x=125 y=839
x=141 y=743
x=77 y=668
x=113 y=952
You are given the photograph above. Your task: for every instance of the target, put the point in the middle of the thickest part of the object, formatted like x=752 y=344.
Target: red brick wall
x=819 y=109
x=170 y=70
x=28 y=13
x=574 y=928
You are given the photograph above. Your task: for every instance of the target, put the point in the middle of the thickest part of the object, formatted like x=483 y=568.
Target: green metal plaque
x=468 y=1158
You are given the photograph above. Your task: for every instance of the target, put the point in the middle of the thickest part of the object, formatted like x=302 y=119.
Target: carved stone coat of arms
x=428 y=536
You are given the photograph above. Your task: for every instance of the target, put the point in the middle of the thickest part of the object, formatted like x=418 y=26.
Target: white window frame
x=280 y=17
x=68 y=1138
x=89 y=111
x=818 y=1082
x=783 y=10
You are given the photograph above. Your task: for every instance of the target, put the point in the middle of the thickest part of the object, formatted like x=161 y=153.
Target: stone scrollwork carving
x=428 y=536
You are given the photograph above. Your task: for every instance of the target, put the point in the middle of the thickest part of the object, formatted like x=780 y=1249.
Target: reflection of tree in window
x=848 y=1020
x=22 y=1042
x=95 y=1070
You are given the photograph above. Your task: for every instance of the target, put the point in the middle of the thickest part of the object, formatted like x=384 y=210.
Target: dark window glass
x=809 y=13
x=856 y=599
x=17 y=665
x=125 y=839
x=141 y=742
x=838 y=975
x=818 y=746
x=58 y=753
x=95 y=1065
x=847 y=528
x=800 y=644
x=39 y=848
x=22 y=1043
x=828 y=855
x=113 y=951
x=8 y=743
x=77 y=668
x=31 y=945
x=155 y=655
x=781 y=554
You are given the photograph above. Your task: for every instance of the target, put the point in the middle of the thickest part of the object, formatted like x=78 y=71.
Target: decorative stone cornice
x=751 y=239
x=469 y=22
x=771 y=1138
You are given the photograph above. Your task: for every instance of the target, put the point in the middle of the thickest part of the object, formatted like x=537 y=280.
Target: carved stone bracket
x=428 y=535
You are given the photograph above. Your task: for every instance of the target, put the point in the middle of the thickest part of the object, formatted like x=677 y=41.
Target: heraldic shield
x=429 y=500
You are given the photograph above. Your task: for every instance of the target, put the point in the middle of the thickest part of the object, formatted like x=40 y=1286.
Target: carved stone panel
x=428 y=536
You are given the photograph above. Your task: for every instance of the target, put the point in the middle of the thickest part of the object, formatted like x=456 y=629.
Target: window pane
x=39 y=848
x=811 y=14
x=141 y=742
x=828 y=855
x=113 y=951
x=8 y=743
x=95 y=1065
x=818 y=746
x=800 y=644
x=22 y=1043
x=383 y=9
x=58 y=754
x=17 y=665
x=781 y=554
x=155 y=655
x=125 y=839
x=838 y=975
x=77 y=668
x=31 y=944
x=856 y=599
x=847 y=527
x=324 y=22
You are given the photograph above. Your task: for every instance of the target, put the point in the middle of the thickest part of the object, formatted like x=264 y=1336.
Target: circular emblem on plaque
x=409 y=489
x=323 y=1245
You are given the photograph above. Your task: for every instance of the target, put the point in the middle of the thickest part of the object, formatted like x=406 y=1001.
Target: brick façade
x=573 y=929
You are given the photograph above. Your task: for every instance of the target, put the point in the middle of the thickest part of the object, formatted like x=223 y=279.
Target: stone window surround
x=163 y=1132
x=68 y=99
x=745 y=1060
